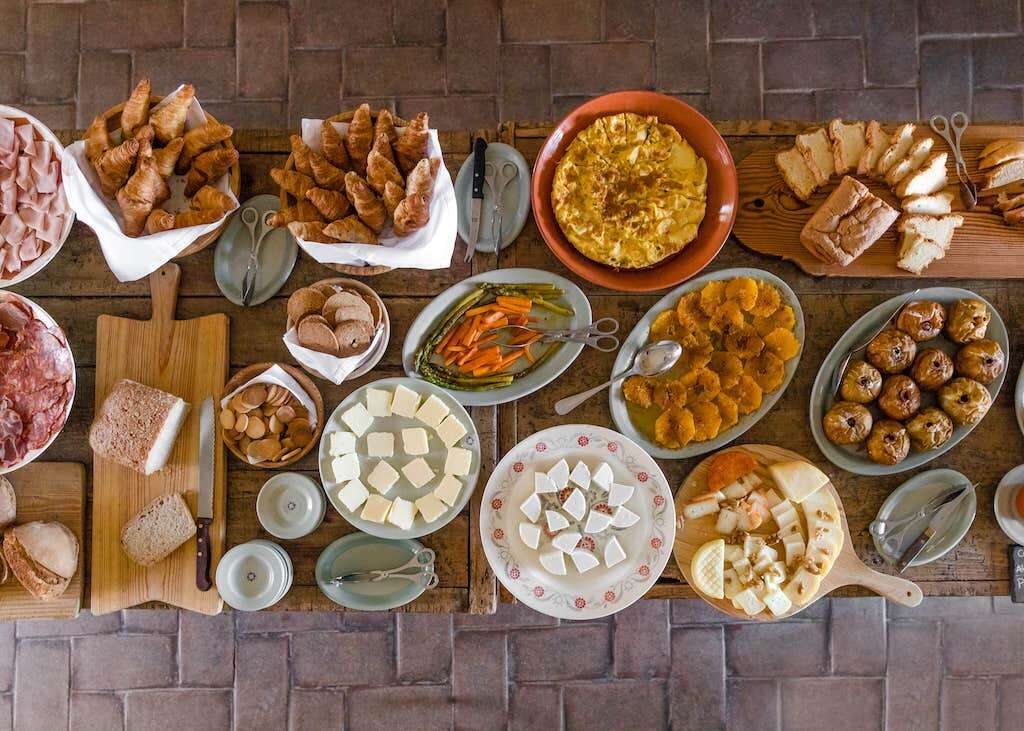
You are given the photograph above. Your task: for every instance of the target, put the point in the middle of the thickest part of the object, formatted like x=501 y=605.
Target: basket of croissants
x=359 y=178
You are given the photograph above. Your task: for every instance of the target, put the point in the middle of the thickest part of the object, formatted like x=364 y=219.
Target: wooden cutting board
x=188 y=358
x=847 y=570
x=770 y=219
x=48 y=491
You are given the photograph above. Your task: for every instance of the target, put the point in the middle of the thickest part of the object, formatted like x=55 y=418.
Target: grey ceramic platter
x=277 y=255
x=362 y=552
x=515 y=196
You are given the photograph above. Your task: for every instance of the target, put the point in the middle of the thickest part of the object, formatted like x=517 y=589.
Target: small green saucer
x=363 y=552
x=277 y=254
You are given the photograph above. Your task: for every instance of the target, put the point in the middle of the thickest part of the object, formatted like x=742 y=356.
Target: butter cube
x=402 y=514
x=376 y=509
x=353 y=495
x=341 y=442
x=430 y=508
x=418 y=472
x=382 y=478
x=358 y=419
x=380 y=444
x=448 y=490
x=345 y=467
x=378 y=402
x=451 y=430
x=458 y=462
x=414 y=440
x=433 y=411
x=404 y=402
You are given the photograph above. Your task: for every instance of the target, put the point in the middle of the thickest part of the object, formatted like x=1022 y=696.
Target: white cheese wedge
x=405 y=402
x=414 y=441
x=555 y=520
x=451 y=430
x=624 y=517
x=380 y=444
x=378 y=402
x=787 y=518
x=597 y=522
x=402 y=514
x=449 y=488
x=584 y=561
x=603 y=476
x=433 y=411
x=382 y=477
x=749 y=602
x=613 y=553
x=430 y=507
x=530 y=507
x=345 y=467
x=797 y=479
x=566 y=541
x=458 y=461
x=580 y=475
x=358 y=419
x=559 y=474
x=576 y=504
x=353 y=494
x=542 y=484
x=728 y=520
x=341 y=442
x=731 y=584
x=530 y=534
x=767 y=552
x=553 y=562
x=418 y=472
x=619 y=494
x=376 y=509
x=777 y=602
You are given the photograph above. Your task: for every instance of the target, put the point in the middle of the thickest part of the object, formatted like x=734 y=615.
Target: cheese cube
x=575 y=505
x=345 y=467
x=556 y=521
x=341 y=442
x=530 y=534
x=619 y=494
x=559 y=474
x=597 y=522
x=378 y=402
x=418 y=472
x=451 y=430
x=430 y=507
x=728 y=521
x=613 y=553
x=358 y=419
x=449 y=488
x=402 y=514
x=382 y=477
x=744 y=570
x=530 y=507
x=566 y=541
x=542 y=484
x=772 y=497
x=603 y=476
x=458 y=462
x=380 y=444
x=584 y=561
x=580 y=475
x=731 y=583
x=748 y=601
x=433 y=411
x=404 y=402
x=624 y=517
x=414 y=441
x=353 y=494
x=777 y=602
x=733 y=553
x=553 y=562
x=376 y=509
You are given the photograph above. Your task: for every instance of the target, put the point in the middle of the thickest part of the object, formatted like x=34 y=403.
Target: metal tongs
x=422 y=561
x=951 y=130
x=250 y=217
x=599 y=335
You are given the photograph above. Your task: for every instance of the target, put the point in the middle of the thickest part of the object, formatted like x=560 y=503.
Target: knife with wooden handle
x=204 y=513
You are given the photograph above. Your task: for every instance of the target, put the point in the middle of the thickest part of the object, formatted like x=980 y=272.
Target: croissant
x=367 y=205
x=393 y=195
x=411 y=214
x=333 y=146
x=210 y=198
x=115 y=165
x=351 y=230
x=359 y=138
x=292 y=182
x=300 y=155
x=145 y=133
x=385 y=126
x=97 y=140
x=311 y=231
x=139 y=196
x=199 y=139
x=208 y=167
x=411 y=146
x=136 y=110
x=421 y=179
x=331 y=204
x=301 y=211
x=169 y=120
x=380 y=168
x=325 y=174
x=160 y=220
x=166 y=157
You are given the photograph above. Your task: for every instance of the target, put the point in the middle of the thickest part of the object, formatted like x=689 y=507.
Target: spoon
x=651 y=360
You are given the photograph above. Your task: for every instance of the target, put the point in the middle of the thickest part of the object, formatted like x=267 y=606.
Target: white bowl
x=290 y=505
x=254 y=576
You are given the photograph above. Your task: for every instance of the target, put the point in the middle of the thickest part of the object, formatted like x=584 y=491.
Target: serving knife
x=938 y=525
x=477 y=203
x=204 y=514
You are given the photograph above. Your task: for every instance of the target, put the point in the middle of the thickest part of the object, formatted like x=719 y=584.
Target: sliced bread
x=925 y=239
x=1000 y=151
x=796 y=173
x=876 y=142
x=847 y=144
x=1006 y=202
x=817 y=151
x=157 y=530
x=914 y=158
x=137 y=425
x=1005 y=174
x=935 y=204
x=927 y=179
x=899 y=144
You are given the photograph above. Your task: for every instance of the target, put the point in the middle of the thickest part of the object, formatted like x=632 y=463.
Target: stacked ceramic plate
x=254 y=575
x=290 y=505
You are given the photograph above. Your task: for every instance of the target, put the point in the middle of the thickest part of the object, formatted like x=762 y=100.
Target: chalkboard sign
x=1017 y=574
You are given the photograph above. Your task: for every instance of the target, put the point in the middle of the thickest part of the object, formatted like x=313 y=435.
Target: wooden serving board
x=188 y=358
x=48 y=491
x=770 y=219
x=848 y=569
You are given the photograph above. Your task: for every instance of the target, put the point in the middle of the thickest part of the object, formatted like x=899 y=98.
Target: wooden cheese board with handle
x=187 y=358
x=770 y=218
x=48 y=491
x=848 y=569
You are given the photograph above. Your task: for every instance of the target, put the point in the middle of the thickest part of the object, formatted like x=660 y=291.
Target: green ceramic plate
x=362 y=552
x=277 y=255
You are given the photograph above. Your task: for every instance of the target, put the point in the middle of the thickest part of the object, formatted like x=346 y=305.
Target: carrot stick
x=508 y=360
x=489 y=338
x=497 y=323
x=517 y=303
x=480 y=310
x=529 y=355
x=468 y=355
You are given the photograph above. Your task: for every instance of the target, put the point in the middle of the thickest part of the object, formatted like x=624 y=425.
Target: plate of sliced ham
x=35 y=218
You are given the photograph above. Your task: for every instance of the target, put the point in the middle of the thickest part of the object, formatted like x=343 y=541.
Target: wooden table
x=77 y=286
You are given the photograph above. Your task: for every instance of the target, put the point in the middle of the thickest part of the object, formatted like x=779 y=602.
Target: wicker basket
x=113 y=119
x=288 y=200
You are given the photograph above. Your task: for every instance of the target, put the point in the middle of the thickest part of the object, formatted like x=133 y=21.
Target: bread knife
x=204 y=513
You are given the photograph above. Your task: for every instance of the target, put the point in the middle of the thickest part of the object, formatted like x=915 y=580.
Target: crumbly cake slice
x=910 y=162
x=935 y=204
x=848 y=144
x=899 y=144
x=817 y=152
x=927 y=179
x=796 y=173
x=925 y=239
x=876 y=142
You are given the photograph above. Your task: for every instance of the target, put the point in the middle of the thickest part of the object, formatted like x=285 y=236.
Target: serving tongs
x=599 y=335
x=422 y=562
x=951 y=130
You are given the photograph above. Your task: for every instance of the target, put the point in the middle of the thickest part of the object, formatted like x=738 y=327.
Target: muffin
x=930 y=429
x=968 y=320
x=892 y=351
x=932 y=369
x=922 y=320
x=900 y=398
x=983 y=360
x=888 y=442
x=965 y=400
x=847 y=423
x=861 y=383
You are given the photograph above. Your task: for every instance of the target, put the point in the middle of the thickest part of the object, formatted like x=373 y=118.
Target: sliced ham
x=13 y=229
x=8 y=142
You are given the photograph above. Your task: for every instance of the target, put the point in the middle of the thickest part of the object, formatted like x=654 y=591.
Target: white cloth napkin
x=430 y=247
x=278 y=376
x=327 y=366
x=130 y=259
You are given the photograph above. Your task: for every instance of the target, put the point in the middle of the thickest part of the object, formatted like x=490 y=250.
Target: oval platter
x=638 y=337
x=431 y=314
x=850 y=458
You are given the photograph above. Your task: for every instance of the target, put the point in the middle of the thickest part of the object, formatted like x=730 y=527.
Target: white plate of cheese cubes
x=399 y=458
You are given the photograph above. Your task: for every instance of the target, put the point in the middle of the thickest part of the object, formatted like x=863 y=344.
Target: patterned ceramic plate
x=601 y=591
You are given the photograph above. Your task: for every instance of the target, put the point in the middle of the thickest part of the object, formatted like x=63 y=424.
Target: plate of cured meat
x=37 y=381
x=35 y=218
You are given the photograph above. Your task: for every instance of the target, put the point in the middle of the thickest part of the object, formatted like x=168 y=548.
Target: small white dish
x=1003 y=503
x=290 y=505
x=254 y=576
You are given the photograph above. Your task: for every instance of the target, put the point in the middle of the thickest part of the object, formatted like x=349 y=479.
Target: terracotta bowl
x=723 y=191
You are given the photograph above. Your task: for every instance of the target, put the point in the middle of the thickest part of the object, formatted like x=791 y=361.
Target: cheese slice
x=613 y=553
x=566 y=541
x=449 y=488
x=402 y=514
x=418 y=472
x=748 y=601
x=530 y=507
x=576 y=504
x=559 y=474
x=380 y=444
x=405 y=402
x=597 y=522
x=458 y=461
x=603 y=476
x=555 y=520
x=451 y=430
x=341 y=442
x=584 y=561
x=358 y=419
x=797 y=479
x=378 y=402
x=542 y=484
x=619 y=494
x=580 y=475
x=553 y=562
x=802 y=587
x=382 y=477
x=433 y=411
x=530 y=534
x=345 y=467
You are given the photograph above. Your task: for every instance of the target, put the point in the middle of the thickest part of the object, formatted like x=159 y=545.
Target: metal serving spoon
x=651 y=360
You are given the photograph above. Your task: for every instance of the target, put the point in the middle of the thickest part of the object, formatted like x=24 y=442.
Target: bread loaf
x=137 y=425
x=157 y=530
x=847 y=223
x=43 y=557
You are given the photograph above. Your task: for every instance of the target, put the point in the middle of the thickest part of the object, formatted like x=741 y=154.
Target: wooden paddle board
x=48 y=491
x=847 y=570
x=188 y=358
x=770 y=219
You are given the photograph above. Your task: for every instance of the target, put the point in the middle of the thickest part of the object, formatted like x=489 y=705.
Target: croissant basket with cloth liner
x=155 y=178
x=365 y=193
